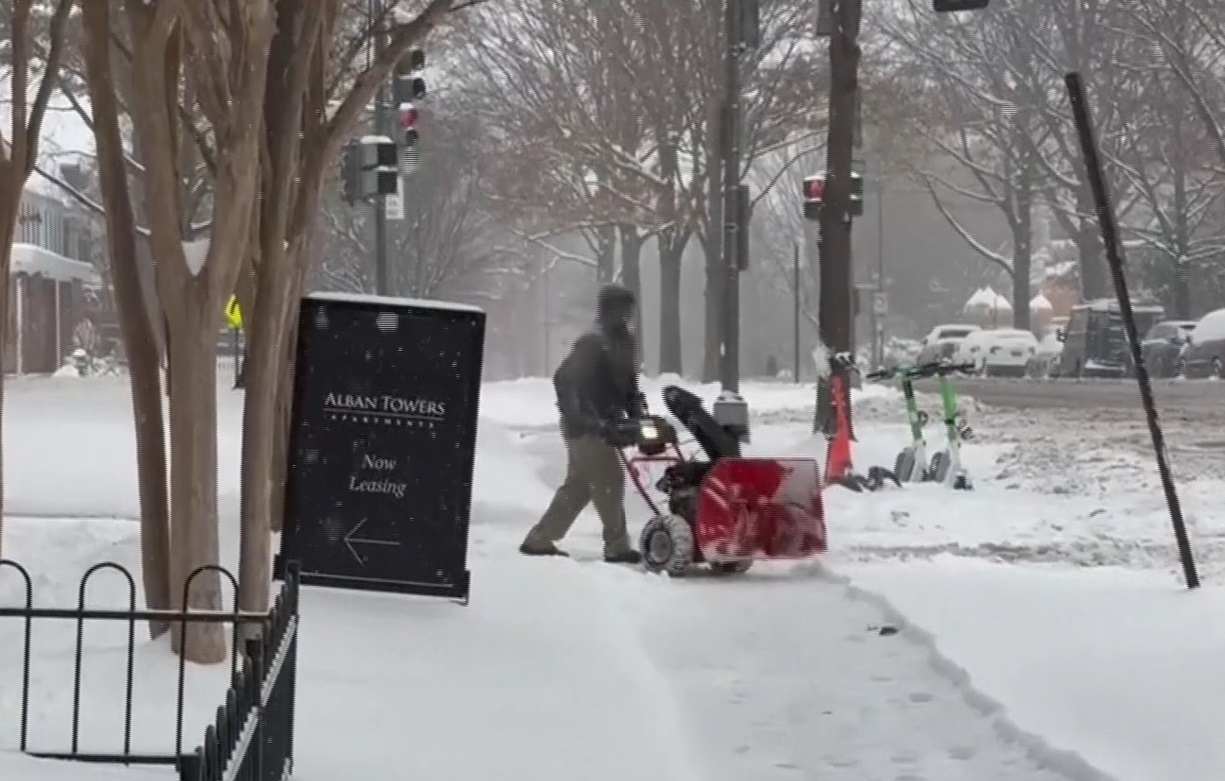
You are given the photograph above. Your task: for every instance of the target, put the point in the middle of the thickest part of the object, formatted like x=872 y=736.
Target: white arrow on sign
x=351 y=540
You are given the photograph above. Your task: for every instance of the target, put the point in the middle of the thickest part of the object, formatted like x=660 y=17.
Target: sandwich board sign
x=382 y=444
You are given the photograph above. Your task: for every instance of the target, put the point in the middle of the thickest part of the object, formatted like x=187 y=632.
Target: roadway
x=1171 y=395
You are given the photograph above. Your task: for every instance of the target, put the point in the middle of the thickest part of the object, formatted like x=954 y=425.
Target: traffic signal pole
x=382 y=127
x=835 y=317
x=730 y=116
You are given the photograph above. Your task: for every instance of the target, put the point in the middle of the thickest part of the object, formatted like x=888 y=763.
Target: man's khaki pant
x=594 y=474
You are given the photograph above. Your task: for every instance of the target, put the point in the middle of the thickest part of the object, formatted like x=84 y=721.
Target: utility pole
x=741 y=34
x=381 y=128
x=795 y=311
x=836 y=319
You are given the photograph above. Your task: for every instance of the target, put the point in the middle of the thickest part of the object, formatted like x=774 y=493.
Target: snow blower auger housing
x=728 y=511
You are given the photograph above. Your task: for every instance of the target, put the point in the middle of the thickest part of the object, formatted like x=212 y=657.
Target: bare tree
x=19 y=152
x=218 y=55
x=141 y=337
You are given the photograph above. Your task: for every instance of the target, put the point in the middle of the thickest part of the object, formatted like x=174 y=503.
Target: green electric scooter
x=910 y=466
x=945 y=467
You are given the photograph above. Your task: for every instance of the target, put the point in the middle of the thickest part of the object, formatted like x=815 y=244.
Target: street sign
x=393 y=203
x=233 y=313
x=382 y=444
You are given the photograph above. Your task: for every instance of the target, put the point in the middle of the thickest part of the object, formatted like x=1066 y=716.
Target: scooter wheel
x=903 y=465
x=940 y=466
x=667 y=545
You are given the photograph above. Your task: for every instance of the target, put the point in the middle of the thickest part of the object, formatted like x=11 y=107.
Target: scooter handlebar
x=940 y=369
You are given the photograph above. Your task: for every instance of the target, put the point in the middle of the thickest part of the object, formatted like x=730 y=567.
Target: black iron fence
x=252 y=736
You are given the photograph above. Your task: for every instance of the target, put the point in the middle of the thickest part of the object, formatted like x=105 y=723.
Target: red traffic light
x=408 y=116
x=814 y=188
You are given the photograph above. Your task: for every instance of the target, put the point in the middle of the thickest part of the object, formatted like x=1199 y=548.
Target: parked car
x=1205 y=349
x=941 y=342
x=1162 y=346
x=998 y=352
x=1044 y=362
x=1095 y=342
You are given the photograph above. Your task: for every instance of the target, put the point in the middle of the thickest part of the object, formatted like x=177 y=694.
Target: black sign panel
x=382 y=444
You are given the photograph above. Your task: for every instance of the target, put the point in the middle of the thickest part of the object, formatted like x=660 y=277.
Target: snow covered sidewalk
x=788 y=676
x=537 y=678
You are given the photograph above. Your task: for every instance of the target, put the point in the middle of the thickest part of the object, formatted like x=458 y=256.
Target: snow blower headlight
x=652 y=439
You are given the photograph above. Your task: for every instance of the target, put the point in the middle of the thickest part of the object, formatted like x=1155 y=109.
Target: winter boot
x=546 y=549
x=629 y=556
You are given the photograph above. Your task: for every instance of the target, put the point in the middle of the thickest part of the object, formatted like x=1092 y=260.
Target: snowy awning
x=36 y=261
x=1040 y=302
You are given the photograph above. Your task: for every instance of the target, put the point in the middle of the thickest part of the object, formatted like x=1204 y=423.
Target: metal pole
x=548 y=329
x=795 y=311
x=381 y=127
x=878 y=318
x=1114 y=255
x=730 y=154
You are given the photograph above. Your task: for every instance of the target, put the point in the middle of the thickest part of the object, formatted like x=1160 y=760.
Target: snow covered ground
x=1031 y=629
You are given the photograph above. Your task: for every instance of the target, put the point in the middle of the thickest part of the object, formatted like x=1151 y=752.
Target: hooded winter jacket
x=597 y=383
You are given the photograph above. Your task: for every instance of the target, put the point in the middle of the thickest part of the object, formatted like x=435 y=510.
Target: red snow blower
x=726 y=512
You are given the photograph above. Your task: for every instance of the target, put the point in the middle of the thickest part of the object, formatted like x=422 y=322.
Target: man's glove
x=620 y=433
x=638 y=406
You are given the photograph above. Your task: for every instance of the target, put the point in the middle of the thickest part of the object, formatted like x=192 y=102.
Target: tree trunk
x=195 y=542
x=9 y=203
x=1094 y=280
x=606 y=255
x=284 y=423
x=631 y=272
x=269 y=379
x=1023 y=249
x=670 y=361
x=142 y=343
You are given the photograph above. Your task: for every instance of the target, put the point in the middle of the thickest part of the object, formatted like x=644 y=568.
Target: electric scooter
x=911 y=463
x=945 y=466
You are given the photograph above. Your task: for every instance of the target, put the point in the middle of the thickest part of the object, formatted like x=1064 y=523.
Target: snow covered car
x=1163 y=345
x=1205 y=353
x=1044 y=362
x=942 y=342
x=998 y=352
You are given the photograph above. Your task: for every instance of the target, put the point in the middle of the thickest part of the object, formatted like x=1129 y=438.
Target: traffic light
x=953 y=6
x=814 y=196
x=409 y=88
x=368 y=168
x=409 y=85
x=410 y=139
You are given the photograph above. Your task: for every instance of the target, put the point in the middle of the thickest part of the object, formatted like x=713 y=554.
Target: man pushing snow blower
x=597 y=393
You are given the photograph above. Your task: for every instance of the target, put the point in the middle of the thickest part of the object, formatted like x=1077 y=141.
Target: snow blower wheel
x=667 y=545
